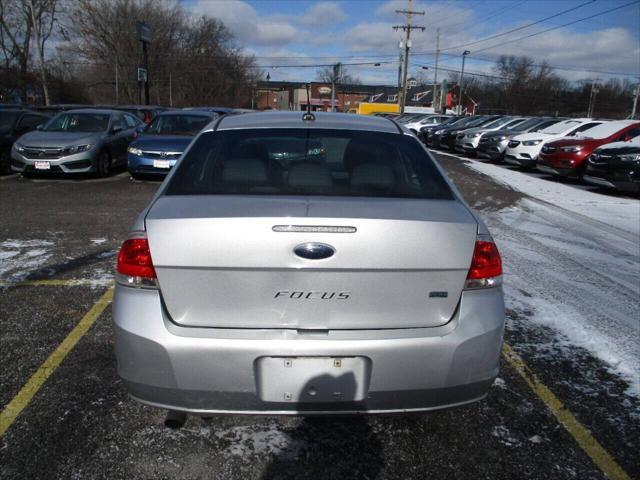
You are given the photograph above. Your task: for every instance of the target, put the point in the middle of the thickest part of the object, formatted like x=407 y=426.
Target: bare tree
x=42 y=14
x=326 y=75
x=15 y=41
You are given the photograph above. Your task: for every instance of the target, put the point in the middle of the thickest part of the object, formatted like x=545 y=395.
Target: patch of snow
x=257 y=440
x=98 y=241
x=575 y=278
x=18 y=258
x=622 y=213
x=500 y=383
x=535 y=439
x=504 y=435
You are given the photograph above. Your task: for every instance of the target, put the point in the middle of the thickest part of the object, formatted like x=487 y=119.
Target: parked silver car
x=350 y=279
x=77 y=141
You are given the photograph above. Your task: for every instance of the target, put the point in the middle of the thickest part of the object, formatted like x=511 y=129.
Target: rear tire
x=103 y=164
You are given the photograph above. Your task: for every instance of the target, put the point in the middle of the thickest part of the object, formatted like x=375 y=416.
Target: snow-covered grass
x=622 y=213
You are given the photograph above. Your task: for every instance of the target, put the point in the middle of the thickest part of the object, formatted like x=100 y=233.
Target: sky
x=287 y=34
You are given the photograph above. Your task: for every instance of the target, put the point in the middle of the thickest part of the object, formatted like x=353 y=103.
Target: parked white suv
x=523 y=150
x=428 y=120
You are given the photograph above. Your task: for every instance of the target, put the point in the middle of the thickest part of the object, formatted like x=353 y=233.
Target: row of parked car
x=600 y=152
x=96 y=139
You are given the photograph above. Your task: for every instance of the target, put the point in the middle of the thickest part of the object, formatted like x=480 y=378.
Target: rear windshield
x=308 y=162
x=178 y=124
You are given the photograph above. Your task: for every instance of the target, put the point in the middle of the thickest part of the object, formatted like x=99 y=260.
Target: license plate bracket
x=41 y=165
x=162 y=164
x=313 y=379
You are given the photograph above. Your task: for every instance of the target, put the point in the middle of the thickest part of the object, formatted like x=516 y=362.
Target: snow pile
x=18 y=258
x=254 y=440
x=579 y=279
x=622 y=213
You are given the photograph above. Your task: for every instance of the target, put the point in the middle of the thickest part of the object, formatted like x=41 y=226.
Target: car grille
x=42 y=153
x=598 y=159
x=513 y=143
x=548 y=149
x=161 y=155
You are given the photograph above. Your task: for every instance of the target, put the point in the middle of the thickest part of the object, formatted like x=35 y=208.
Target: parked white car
x=523 y=150
x=427 y=121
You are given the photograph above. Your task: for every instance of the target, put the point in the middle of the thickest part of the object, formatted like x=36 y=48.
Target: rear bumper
x=205 y=370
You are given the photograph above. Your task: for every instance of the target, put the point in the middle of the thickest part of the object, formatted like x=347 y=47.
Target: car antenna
x=308 y=116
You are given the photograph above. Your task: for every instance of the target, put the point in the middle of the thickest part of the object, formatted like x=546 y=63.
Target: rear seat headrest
x=373 y=175
x=306 y=175
x=249 y=171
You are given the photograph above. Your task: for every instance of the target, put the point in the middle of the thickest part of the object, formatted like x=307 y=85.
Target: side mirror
x=116 y=129
x=39 y=127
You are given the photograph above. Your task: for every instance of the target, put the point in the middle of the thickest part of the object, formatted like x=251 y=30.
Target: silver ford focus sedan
x=307 y=264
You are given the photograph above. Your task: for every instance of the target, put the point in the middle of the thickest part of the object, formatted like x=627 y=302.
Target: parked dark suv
x=15 y=122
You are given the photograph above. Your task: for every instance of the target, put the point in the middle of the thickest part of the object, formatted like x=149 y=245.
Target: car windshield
x=561 y=127
x=78 y=122
x=499 y=122
x=177 y=125
x=604 y=130
x=7 y=119
x=308 y=162
x=532 y=122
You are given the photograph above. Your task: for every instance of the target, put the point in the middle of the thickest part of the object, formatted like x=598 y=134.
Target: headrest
x=310 y=176
x=373 y=175
x=246 y=171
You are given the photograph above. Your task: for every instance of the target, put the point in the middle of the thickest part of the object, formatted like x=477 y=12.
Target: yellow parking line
x=56 y=283
x=590 y=445
x=27 y=392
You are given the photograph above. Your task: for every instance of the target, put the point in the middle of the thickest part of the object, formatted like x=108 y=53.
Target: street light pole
x=636 y=92
x=464 y=56
x=592 y=98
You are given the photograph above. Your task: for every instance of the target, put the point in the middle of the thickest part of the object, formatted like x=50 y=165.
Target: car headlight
x=473 y=135
x=572 y=148
x=530 y=143
x=134 y=151
x=439 y=132
x=502 y=137
x=18 y=147
x=632 y=157
x=77 y=149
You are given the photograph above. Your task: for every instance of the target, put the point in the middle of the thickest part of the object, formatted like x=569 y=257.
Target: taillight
x=135 y=267
x=486 y=265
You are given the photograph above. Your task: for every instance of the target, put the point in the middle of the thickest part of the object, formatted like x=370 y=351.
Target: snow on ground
x=578 y=278
x=18 y=258
x=622 y=213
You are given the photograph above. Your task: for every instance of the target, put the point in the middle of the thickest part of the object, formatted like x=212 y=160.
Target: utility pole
x=144 y=35
x=171 y=92
x=464 y=56
x=592 y=98
x=117 y=89
x=636 y=92
x=407 y=45
x=335 y=77
x=400 y=46
x=435 y=74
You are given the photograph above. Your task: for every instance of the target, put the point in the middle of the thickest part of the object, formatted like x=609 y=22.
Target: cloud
x=246 y=25
x=323 y=14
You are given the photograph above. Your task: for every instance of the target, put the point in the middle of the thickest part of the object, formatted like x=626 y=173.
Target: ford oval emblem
x=314 y=251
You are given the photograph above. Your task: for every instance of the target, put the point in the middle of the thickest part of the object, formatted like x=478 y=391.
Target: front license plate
x=39 y=165
x=162 y=164
x=313 y=379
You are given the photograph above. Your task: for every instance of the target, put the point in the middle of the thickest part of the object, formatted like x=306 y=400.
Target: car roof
x=338 y=121
x=199 y=113
x=92 y=110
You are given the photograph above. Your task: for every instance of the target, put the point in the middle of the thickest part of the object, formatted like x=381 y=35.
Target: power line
x=561 y=26
x=464 y=45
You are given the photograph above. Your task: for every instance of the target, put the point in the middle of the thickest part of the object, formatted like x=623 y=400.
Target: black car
x=426 y=133
x=446 y=138
x=616 y=165
x=15 y=122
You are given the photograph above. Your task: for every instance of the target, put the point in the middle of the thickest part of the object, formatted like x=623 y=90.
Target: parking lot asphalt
x=81 y=424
